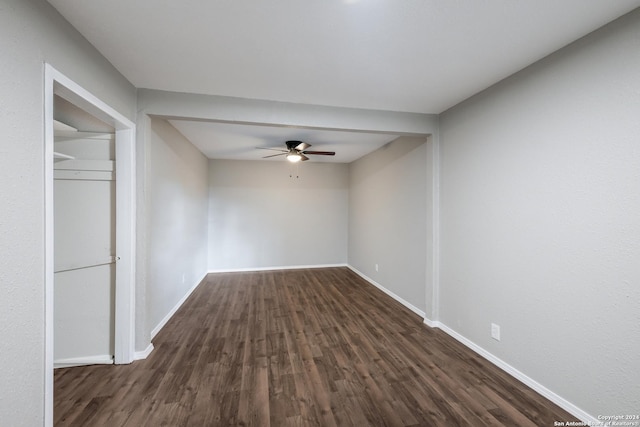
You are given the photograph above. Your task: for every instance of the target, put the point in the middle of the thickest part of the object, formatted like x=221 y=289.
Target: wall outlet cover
x=495 y=332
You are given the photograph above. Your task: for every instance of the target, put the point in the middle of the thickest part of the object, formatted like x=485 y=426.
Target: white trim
x=103 y=359
x=289 y=267
x=169 y=315
x=431 y=323
x=48 y=246
x=90 y=102
x=407 y=304
x=124 y=345
x=536 y=386
x=139 y=355
x=435 y=254
x=57 y=83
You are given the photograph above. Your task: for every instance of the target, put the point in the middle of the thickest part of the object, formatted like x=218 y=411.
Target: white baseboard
x=101 y=359
x=139 y=355
x=169 y=315
x=407 y=304
x=287 y=267
x=539 y=388
x=431 y=323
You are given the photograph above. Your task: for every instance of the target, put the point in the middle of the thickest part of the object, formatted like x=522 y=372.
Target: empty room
x=349 y=212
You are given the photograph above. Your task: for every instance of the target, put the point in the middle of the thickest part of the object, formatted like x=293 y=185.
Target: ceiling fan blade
x=274 y=155
x=320 y=153
x=302 y=146
x=304 y=158
x=297 y=145
x=273 y=149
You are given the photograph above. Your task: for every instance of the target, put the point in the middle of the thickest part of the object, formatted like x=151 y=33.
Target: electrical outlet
x=495 y=332
x=376 y=267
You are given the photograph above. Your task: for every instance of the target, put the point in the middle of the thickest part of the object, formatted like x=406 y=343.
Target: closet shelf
x=58 y=157
x=87 y=165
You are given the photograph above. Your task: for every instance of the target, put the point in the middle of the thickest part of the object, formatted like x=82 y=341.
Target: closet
x=84 y=246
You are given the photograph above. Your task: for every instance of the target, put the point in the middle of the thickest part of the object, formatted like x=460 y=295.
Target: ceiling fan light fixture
x=294 y=157
x=296 y=151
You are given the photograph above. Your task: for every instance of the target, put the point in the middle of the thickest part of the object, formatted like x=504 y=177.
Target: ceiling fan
x=296 y=151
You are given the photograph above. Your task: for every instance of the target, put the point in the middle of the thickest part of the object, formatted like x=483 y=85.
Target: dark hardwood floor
x=317 y=347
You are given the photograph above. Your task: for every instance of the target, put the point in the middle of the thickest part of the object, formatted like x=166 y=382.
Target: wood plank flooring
x=312 y=347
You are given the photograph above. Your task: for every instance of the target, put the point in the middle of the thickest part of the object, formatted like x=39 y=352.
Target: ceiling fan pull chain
x=293 y=168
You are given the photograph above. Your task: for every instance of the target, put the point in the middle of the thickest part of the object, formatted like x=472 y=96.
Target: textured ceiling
x=399 y=55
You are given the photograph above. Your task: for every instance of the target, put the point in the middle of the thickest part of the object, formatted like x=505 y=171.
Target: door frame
x=57 y=83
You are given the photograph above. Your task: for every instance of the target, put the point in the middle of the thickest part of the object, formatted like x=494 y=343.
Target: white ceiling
x=419 y=56
x=234 y=141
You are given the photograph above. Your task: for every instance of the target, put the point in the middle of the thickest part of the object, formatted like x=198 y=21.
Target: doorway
x=58 y=85
x=84 y=238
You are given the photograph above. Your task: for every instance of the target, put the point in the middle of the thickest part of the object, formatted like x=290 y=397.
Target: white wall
x=177 y=204
x=260 y=217
x=32 y=33
x=389 y=217
x=540 y=195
